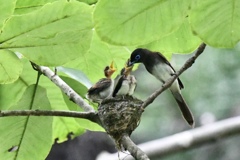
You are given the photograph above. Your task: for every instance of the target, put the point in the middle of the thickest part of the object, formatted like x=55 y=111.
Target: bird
x=132 y=81
x=133 y=85
x=126 y=83
x=122 y=85
x=104 y=87
x=157 y=65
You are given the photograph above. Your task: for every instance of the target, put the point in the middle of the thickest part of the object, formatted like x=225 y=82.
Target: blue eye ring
x=137 y=57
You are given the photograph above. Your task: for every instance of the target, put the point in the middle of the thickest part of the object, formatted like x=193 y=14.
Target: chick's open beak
x=128 y=69
x=112 y=69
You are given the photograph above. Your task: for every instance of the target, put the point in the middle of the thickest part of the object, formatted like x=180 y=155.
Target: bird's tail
x=187 y=114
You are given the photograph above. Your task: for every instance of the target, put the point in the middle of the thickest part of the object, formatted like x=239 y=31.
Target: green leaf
x=216 y=22
x=136 y=22
x=88 y=1
x=180 y=41
x=81 y=90
x=27 y=77
x=78 y=87
x=99 y=56
x=46 y=40
x=10 y=67
x=76 y=75
x=62 y=126
x=26 y=6
x=7 y=9
x=30 y=135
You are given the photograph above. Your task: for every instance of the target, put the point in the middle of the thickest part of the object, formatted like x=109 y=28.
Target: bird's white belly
x=124 y=88
x=132 y=84
x=107 y=92
x=162 y=72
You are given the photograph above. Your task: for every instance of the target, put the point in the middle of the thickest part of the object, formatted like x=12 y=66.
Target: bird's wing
x=168 y=63
x=118 y=86
x=101 y=85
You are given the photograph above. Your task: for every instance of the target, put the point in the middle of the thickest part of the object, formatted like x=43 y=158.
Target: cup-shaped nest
x=120 y=115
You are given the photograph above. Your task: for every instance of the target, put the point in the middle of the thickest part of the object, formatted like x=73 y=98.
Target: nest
x=120 y=115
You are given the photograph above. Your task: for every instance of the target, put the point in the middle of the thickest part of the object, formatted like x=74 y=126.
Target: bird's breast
x=124 y=88
x=162 y=71
x=108 y=91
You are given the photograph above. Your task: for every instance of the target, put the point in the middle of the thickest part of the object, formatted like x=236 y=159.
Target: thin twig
x=92 y=116
x=65 y=88
x=169 y=82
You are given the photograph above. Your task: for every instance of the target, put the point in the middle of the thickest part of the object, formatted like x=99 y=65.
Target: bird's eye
x=137 y=57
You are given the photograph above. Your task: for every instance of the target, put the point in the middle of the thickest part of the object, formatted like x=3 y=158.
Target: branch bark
x=65 y=88
x=136 y=152
x=169 y=82
x=185 y=140
x=92 y=116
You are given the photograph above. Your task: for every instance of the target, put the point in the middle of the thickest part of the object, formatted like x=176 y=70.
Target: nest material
x=120 y=115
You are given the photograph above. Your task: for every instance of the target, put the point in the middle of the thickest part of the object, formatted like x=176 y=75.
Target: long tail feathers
x=187 y=114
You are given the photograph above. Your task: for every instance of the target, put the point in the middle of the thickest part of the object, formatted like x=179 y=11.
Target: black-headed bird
x=156 y=64
x=104 y=87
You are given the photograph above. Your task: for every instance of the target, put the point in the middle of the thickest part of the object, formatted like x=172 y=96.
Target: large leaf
x=27 y=77
x=46 y=40
x=99 y=56
x=180 y=41
x=217 y=22
x=62 y=126
x=26 y=6
x=89 y=1
x=76 y=75
x=135 y=22
x=27 y=137
x=10 y=67
x=6 y=10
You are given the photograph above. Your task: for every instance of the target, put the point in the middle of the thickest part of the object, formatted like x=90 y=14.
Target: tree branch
x=169 y=82
x=133 y=148
x=92 y=116
x=185 y=140
x=65 y=88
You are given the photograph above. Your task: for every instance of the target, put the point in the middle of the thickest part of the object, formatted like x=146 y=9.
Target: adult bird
x=126 y=84
x=156 y=64
x=104 y=87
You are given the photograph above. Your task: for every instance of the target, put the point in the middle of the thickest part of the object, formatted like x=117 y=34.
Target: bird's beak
x=130 y=63
x=128 y=69
x=112 y=68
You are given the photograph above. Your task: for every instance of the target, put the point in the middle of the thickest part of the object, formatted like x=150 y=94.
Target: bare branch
x=65 y=88
x=92 y=116
x=186 y=140
x=133 y=148
x=169 y=82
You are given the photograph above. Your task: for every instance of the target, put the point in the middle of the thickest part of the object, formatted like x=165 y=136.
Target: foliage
x=86 y=35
